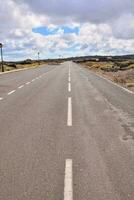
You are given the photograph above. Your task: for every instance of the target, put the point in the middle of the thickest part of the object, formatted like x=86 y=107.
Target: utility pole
x=1 y=50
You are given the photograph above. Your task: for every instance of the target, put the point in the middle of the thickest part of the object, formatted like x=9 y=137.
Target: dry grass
x=121 y=72
x=20 y=66
x=98 y=65
x=15 y=66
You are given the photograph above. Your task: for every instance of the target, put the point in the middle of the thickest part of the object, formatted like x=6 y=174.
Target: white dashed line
x=68 y=182
x=20 y=86
x=69 y=87
x=28 y=83
x=69 y=115
x=69 y=79
x=11 y=92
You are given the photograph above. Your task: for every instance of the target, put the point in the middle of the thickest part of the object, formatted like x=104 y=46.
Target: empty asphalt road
x=65 y=134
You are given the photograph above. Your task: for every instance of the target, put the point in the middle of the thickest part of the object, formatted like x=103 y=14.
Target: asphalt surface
x=65 y=134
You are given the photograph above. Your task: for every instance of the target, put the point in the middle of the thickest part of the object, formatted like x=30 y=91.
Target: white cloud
x=106 y=27
x=123 y=27
x=96 y=11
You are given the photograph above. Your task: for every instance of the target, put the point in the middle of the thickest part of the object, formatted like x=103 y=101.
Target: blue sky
x=67 y=28
x=44 y=30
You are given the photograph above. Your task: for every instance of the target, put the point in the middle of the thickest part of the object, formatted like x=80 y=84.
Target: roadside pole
x=1 y=50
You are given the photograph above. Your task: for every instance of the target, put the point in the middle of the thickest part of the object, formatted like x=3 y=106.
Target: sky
x=63 y=28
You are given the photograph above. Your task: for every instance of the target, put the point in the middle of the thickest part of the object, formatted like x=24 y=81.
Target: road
x=65 y=134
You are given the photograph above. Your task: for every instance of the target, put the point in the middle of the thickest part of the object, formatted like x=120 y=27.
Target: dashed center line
x=11 y=92
x=68 y=182
x=28 y=83
x=20 y=86
x=69 y=115
x=69 y=79
x=69 y=87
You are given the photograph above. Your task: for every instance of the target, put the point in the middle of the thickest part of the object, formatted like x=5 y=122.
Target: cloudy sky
x=66 y=28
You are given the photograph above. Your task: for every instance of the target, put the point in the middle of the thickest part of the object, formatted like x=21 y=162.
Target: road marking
x=1 y=98
x=69 y=87
x=69 y=116
x=125 y=89
x=69 y=79
x=20 y=86
x=28 y=83
x=33 y=80
x=68 y=182
x=11 y=92
x=37 y=78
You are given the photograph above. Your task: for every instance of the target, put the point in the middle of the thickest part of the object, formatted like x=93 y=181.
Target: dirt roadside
x=120 y=72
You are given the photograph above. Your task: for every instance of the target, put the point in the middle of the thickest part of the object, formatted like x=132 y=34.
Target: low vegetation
x=8 y=66
x=119 y=70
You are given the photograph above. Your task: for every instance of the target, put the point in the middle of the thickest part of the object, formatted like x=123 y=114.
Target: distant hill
x=76 y=59
x=102 y=58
